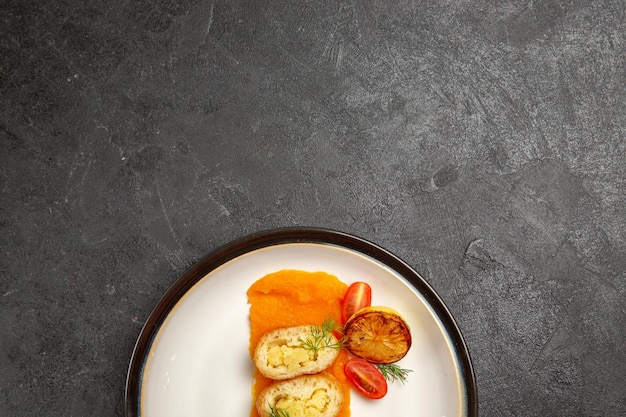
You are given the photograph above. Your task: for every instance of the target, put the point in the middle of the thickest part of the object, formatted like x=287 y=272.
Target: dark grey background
x=483 y=142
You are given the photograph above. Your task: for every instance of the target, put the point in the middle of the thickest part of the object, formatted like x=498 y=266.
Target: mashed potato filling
x=307 y=407
x=292 y=357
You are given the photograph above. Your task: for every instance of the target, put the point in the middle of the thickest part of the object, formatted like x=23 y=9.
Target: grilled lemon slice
x=378 y=334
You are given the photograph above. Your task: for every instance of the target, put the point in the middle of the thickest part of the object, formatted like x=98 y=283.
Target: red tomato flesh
x=365 y=378
x=358 y=296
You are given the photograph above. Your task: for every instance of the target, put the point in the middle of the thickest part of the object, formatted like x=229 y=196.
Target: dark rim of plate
x=281 y=236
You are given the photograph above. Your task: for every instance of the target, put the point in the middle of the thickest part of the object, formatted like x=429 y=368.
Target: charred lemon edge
x=384 y=311
x=378 y=309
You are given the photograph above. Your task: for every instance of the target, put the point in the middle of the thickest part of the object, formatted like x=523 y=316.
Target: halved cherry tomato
x=365 y=378
x=358 y=296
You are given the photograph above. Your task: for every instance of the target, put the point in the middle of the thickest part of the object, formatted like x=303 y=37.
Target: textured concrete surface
x=483 y=142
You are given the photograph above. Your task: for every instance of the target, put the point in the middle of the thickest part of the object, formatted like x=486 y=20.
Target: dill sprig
x=322 y=337
x=277 y=412
x=393 y=372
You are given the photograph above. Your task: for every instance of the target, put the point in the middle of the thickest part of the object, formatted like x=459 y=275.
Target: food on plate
x=288 y=352
x=358 y=296
x=378 y=335
x=319 y=395
x=288 y=298
x=366 y=378
x=297 y=347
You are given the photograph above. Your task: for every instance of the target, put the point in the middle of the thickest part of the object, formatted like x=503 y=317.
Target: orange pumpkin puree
x=291 y=298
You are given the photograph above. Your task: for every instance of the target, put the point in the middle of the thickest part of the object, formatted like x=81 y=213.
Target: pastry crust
x=321 y=392
x=279 y=354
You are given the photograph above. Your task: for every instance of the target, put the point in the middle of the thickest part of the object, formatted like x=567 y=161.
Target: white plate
x=192 y=357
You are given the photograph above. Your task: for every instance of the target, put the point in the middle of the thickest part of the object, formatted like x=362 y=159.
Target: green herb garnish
x=276 y=412
x=322 y=338
x=393 y=372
